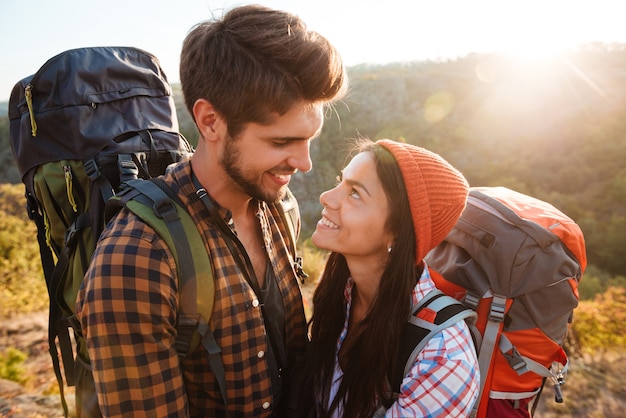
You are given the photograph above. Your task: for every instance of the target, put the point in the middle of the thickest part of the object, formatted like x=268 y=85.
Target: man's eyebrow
x=317 y=135
x=294 y=138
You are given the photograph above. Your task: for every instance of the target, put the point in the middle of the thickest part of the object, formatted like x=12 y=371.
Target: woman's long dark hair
x=373 y=355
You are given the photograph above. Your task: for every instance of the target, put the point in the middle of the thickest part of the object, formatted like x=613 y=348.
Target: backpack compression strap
x=154 y=202
x=47 y=263
x=290 y=213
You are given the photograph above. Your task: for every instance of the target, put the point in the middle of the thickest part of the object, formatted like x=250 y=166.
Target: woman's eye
x=354 y=193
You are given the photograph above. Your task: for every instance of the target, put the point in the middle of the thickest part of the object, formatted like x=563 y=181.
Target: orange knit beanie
x=437 y=193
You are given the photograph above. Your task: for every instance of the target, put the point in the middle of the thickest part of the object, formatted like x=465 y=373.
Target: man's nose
x=301 y=157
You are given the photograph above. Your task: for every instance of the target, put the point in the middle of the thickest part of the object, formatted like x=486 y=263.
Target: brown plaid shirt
x=127 y=309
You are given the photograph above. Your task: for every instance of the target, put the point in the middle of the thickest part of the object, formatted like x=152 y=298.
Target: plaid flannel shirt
x=127 y=309
x=445 y=379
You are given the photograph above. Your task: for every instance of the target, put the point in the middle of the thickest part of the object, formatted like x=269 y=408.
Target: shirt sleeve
x=127 y=310
x=444 y=381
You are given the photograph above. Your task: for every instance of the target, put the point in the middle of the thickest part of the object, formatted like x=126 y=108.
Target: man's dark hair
x=256 y=61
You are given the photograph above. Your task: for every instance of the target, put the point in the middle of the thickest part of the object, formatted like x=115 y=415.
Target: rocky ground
x=37 y=396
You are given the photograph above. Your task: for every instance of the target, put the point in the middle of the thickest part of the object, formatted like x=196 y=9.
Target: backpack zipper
x=28 y=94
x=28 y=90
x=48 y=228
x=67 y=170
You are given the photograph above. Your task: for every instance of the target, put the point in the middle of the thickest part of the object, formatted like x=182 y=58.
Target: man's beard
x=230 y=163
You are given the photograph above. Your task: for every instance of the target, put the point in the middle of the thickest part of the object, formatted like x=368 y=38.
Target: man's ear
x=205 y=116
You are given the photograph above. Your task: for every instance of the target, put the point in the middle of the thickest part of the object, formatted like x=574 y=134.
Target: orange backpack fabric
x=517 y=261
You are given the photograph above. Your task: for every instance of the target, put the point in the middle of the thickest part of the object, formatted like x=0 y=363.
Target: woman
x=393 y=204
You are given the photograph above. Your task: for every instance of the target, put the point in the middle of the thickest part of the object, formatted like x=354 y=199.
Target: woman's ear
x=205 y=116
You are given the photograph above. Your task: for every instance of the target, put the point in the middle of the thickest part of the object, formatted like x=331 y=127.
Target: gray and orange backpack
x=514 y=263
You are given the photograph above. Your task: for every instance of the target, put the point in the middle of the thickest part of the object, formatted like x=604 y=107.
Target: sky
x=364 y=31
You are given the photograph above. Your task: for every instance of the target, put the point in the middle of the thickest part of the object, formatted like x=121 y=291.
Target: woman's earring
x=389 y=249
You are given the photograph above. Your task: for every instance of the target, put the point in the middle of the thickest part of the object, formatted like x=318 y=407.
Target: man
x=256 y=82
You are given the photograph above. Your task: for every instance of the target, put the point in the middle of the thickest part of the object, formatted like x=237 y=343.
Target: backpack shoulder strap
x=291 y=217
x=434 y=313
x=290 y=213
x=157 y=205
x=149 y=201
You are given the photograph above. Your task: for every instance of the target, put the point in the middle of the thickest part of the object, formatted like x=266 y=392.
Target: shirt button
x=261 y=354
x=266 y=405
x=255 y=303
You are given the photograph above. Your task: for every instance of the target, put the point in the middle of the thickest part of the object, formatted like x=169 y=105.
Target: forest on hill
x=552 y=128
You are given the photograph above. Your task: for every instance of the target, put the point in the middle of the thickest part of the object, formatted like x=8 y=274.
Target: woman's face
x=354 y=218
